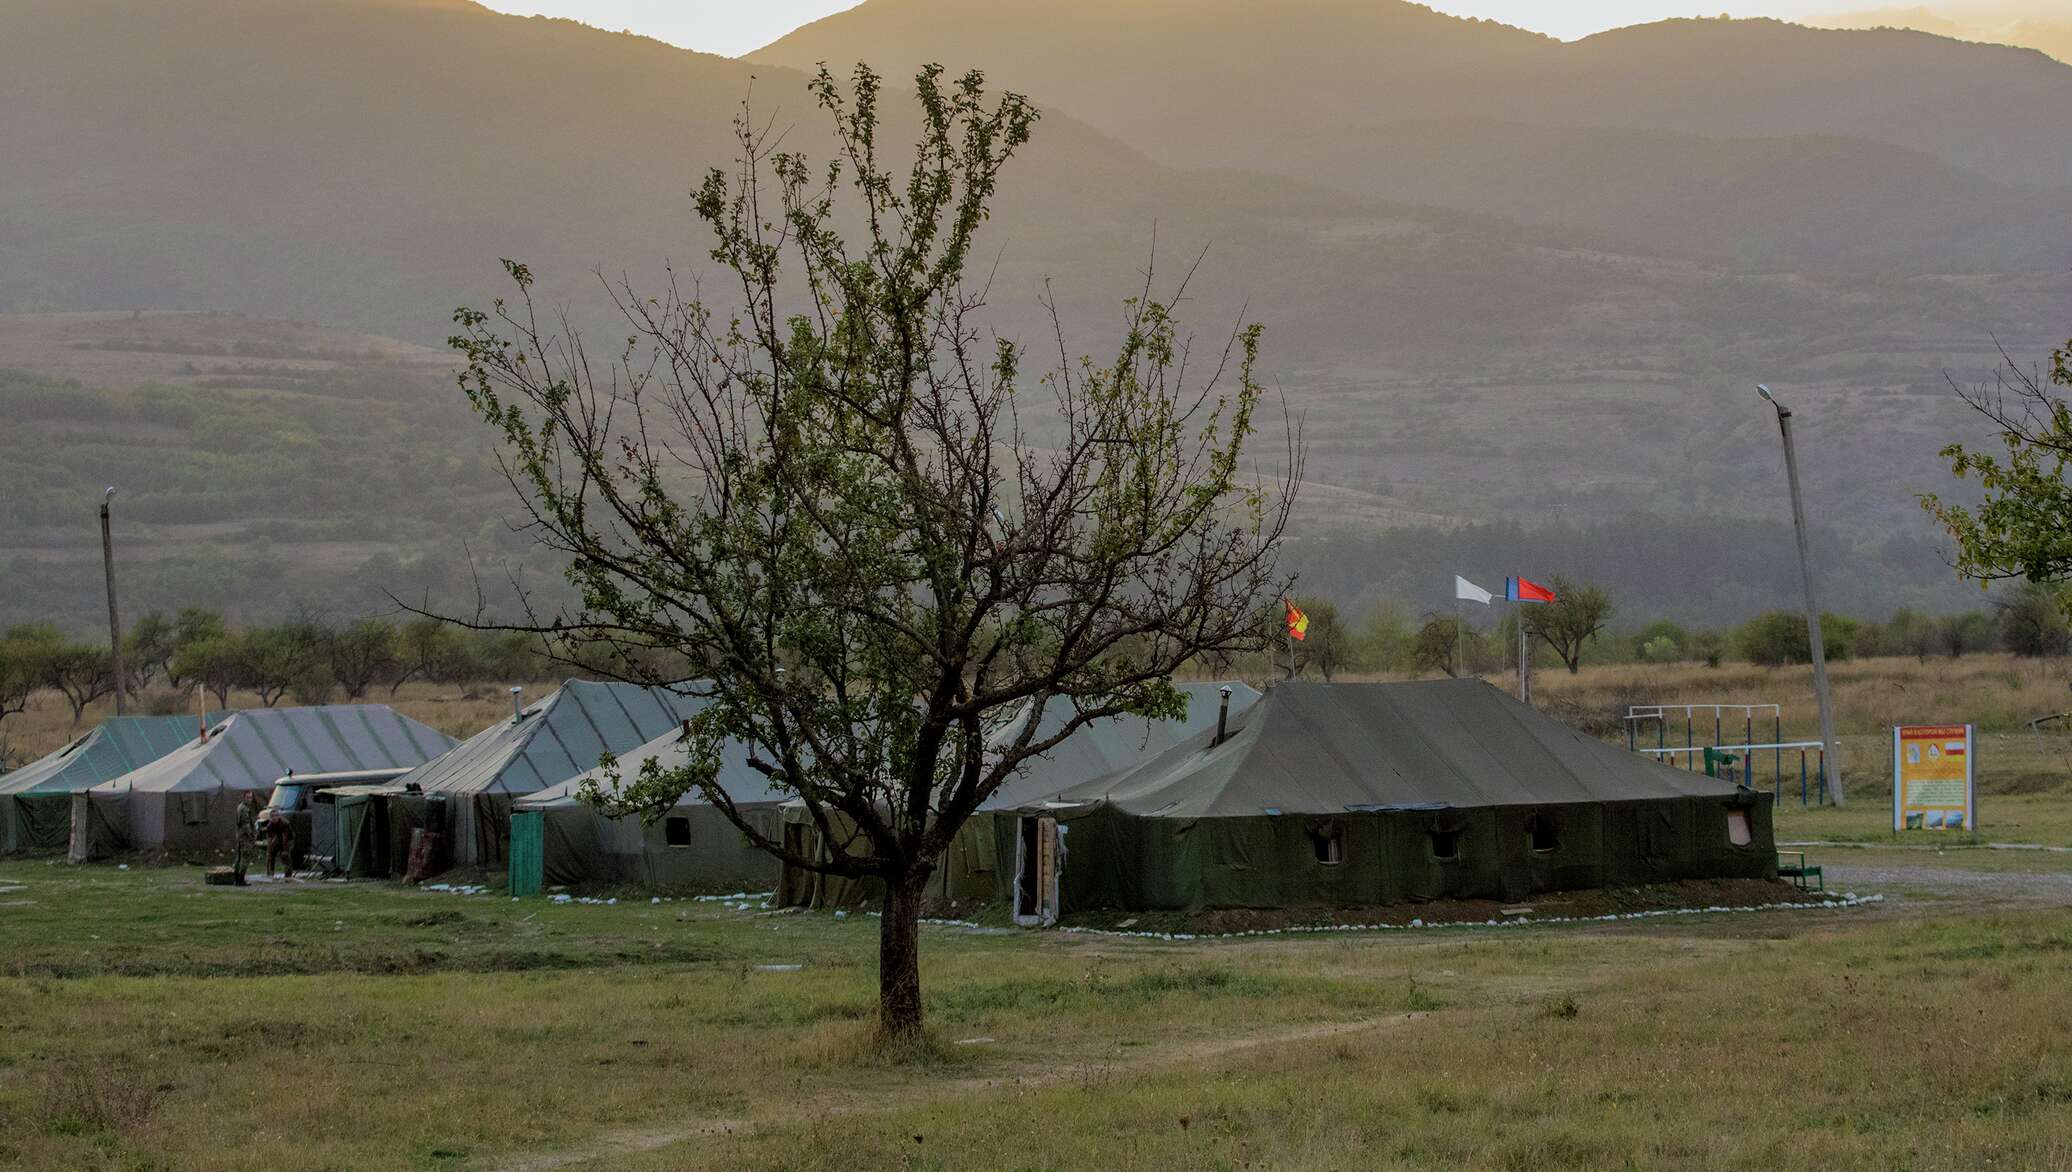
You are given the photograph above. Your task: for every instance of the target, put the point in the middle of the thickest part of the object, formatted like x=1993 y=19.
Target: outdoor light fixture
x=114 y=622
x=1831 y=762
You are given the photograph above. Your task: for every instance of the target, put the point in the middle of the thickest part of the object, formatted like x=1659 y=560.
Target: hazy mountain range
x=1507 y=279
x=2043 y=25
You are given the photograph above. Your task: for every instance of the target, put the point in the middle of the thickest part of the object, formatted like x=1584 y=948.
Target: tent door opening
x=1036 y=872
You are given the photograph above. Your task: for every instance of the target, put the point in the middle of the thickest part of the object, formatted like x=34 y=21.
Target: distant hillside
x=1184 y=74
x=2042 y=25
x=1753 y=143
x=364 y=164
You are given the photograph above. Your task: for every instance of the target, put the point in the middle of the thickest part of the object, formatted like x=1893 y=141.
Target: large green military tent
x=36 y=800
x=968 y=870
x=692 y=845
x=187 y=799
x=557 y=737
x=1360 y=794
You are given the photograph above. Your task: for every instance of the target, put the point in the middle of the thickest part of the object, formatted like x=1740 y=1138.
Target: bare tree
x=824 y=500
x=1576 y=616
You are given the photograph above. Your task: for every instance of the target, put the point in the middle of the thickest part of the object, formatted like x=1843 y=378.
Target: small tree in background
x=215 y=663
x=2032 y=621
x=360 y=654
x=148 y=648
x=826 y=505
x=1909 y=632
x=1780 y=637
x=1386 y=636
x=1661 y=641
x=192 y=627
x=1966 y=633
x=1439 y=644
x=24 y=666
x=1709 y=647
x=431 y=650
x=81 y=672
x=1327 y=647
x=1574 y=618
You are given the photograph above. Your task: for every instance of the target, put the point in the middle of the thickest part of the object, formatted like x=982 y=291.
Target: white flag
x=1462 y=588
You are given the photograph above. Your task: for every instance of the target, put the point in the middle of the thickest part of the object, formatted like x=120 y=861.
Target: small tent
x=1361 y=794
x=187 y=799
x=969 y=868
x=691 y=845
x=36 y=800
x=564 y=733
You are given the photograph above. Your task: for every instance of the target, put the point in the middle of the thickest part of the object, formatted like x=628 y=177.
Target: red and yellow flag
x=1298 y=623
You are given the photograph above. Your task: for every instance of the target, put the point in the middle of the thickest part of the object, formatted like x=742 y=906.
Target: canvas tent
x=187 y=799
x=36 y=800
x=557 y=737
x=969 y=868
x=1107 y=746
x=1359 y=794
x=691 y=845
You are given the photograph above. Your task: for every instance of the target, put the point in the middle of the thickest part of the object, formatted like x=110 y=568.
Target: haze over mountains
x=1507 y=279
x=1879 y=150
x=2043 y=25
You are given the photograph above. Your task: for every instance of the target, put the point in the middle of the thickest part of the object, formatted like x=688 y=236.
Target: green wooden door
x=528 y=858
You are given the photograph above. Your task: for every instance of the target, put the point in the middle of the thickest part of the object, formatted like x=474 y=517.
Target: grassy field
x=149 y=1021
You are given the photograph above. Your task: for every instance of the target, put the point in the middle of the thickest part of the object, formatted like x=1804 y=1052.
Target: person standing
x=280 y=844
x=247 y=837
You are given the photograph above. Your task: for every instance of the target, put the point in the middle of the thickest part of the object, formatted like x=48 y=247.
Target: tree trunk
x=899 y=961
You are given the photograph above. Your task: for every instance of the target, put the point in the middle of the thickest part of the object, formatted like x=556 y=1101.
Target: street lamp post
x=1829 y=749
x=114 y=623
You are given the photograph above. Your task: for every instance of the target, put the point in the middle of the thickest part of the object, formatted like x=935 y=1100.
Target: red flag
x=1298 y=623
x=1526 y=590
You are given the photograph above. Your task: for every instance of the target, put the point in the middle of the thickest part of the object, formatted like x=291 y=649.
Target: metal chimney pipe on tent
x=1222 y=715
x=517 y=703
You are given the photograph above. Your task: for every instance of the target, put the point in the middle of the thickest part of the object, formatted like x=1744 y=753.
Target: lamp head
x=1764 y=391
x=109 y=495
x=1224 y=691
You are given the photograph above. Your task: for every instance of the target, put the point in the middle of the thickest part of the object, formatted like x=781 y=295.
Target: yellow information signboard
x=1932 y=777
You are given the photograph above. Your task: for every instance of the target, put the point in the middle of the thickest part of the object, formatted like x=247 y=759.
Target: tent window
x=676 y=831
x=1446 y=844
x=194 y=809
x=1738 y=830
x=1328 y=846
x=1546 y=838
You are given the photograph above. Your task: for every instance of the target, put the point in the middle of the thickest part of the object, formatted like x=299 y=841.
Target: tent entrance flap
x=1038 y=859
x=528 y=854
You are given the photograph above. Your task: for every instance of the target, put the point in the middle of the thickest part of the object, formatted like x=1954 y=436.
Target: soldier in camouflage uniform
x=247 y=831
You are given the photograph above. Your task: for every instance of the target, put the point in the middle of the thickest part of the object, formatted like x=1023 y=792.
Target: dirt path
x=1955 y=882
x=633 y=1141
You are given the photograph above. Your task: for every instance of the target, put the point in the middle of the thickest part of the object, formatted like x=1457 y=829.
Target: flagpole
x=1460 y=641
x=1524 y=687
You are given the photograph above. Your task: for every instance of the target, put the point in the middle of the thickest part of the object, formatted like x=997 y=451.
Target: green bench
x=1799 y=873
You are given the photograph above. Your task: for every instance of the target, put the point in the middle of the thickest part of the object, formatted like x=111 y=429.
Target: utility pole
x=114 y=622
x=1830 y=750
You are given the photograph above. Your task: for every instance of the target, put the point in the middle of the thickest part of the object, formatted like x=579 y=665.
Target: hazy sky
x=733 y=27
